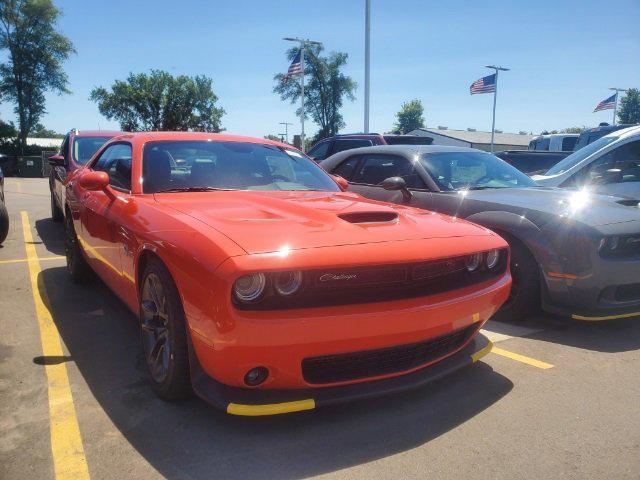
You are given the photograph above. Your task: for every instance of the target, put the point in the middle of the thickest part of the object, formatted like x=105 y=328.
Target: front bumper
x=257 y=402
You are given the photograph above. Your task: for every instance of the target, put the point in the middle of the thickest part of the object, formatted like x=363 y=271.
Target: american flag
x=607 y=104
x=484 y=85
x=295 y=68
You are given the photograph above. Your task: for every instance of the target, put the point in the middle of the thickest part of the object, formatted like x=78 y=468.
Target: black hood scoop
x=369 y=217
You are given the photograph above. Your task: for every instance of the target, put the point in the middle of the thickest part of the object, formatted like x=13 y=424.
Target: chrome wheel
x=155 y=327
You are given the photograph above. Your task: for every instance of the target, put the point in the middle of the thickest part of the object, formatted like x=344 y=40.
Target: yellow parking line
x=20 y=260
x=19 y=186
x=66 y=444
x=521 y=358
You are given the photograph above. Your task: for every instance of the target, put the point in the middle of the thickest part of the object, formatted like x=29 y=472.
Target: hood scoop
x=369 y=217
x=629 y=202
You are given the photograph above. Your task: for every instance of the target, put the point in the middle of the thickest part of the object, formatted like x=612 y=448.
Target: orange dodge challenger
x=265 y=288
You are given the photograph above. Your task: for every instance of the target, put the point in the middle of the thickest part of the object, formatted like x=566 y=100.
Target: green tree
x=39 y=131
x=573 y=129
x=160 y=101
x=33 y=64
x=8 y=132
x=325 y=88
x=410 y=117
x=629 y=107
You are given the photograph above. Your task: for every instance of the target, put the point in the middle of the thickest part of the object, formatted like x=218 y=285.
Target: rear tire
x=56 y=213
x=4 y=222
x=163 y=333
x=524 y=298
x=77 y=266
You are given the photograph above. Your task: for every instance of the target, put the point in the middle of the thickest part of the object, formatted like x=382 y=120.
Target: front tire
x=56 y=213
x=77 y=266
x=4 y=222
x=163 y=333
x=524 y=298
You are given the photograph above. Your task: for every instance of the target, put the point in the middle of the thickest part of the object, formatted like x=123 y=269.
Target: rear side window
x=116 y=161
x=319 y=152
x=346 y=168
x=568 y=143
x=347 y=144
x=376 y=168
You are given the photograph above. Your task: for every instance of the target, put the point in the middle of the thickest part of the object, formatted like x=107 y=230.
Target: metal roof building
x=475 y=139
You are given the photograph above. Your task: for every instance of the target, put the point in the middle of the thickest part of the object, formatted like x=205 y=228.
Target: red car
x=76 y=150
x=264 y=287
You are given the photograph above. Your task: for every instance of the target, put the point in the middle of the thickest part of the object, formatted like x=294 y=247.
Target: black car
x=4 y=215
x=593 y=134
x=572 y=252
x=531 y=162
x=339 y=143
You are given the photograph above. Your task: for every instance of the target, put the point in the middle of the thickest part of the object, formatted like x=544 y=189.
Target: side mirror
x=342 y=183
x=94 y=181
x=56 y=160
x=397 y=183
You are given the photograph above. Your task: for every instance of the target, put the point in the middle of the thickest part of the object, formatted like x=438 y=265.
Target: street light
x=286 y=129
x=303 y=44
x=615 y=105
x=495 y=96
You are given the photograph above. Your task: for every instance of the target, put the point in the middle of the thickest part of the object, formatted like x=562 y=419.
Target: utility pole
x=367 y=62
x=495 y=96
x=286 y=129
x=615 y=104
x=303 y=42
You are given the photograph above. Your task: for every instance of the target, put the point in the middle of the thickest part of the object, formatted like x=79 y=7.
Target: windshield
x=85 y=147
x=205 y=165
x=473 y=171
x=579 y=155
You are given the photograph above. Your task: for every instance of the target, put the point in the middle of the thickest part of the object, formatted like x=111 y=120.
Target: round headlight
x=493 y=257
x=249 y=287
x=288 y=283
x=473 y=261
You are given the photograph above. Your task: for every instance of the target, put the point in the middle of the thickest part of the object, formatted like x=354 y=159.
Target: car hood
x=261 y=222
x=589 y=208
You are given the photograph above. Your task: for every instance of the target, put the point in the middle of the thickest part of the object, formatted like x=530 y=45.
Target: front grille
x=372 y=363
x=357 y=285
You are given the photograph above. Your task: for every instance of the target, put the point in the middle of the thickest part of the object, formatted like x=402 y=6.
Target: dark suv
x=327 y=147
x=592 y=134
x=77 y=149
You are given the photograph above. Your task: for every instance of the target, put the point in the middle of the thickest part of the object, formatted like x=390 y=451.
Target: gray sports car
x=572 y=252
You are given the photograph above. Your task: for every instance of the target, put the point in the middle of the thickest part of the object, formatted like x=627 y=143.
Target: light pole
x=286 y=129
x=303 y=42
x=367 y=62
x=495 y=96
x=615 y=104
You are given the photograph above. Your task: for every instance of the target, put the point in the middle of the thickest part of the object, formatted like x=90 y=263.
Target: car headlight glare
x=474 y=261
x=248 y=288
x=288 y=283
x=493 y=258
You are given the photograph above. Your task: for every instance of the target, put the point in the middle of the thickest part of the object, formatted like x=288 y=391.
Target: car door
x=365 y=173
x=101 y=215
x=60 y=173
x=617 y=172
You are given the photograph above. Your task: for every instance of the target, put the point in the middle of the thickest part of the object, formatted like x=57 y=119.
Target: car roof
x=625 y=132
x=96 y=133
x=411 y=149
x=195 y=136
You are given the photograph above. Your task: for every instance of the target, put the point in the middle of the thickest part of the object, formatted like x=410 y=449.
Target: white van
x=555 y=142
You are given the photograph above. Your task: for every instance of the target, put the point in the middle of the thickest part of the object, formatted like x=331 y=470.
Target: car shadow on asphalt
x=52 y=235
x=193 y=440
x=610 y=336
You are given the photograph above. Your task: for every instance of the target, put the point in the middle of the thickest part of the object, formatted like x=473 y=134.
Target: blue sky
x=563 y=56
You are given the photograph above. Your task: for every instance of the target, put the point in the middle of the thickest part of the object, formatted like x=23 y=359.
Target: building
x=474 y=139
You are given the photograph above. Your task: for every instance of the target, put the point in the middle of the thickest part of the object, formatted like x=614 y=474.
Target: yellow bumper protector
x=271 y=409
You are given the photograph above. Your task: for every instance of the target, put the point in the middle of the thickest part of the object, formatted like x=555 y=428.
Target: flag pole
x=495 y=97
x=615 y=103
x=367 y=62
x=303 y=42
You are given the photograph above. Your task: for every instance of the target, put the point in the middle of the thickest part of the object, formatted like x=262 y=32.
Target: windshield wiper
x=191 y=189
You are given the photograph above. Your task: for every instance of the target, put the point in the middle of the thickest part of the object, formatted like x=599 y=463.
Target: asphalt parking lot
x=556 y=399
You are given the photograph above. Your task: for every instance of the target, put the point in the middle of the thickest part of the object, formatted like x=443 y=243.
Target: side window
x=376 y=168
x=340 y=145
x=319 y=152
x=64 y=149
x=346 y=168
x=116 y=161
x=568 y=143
